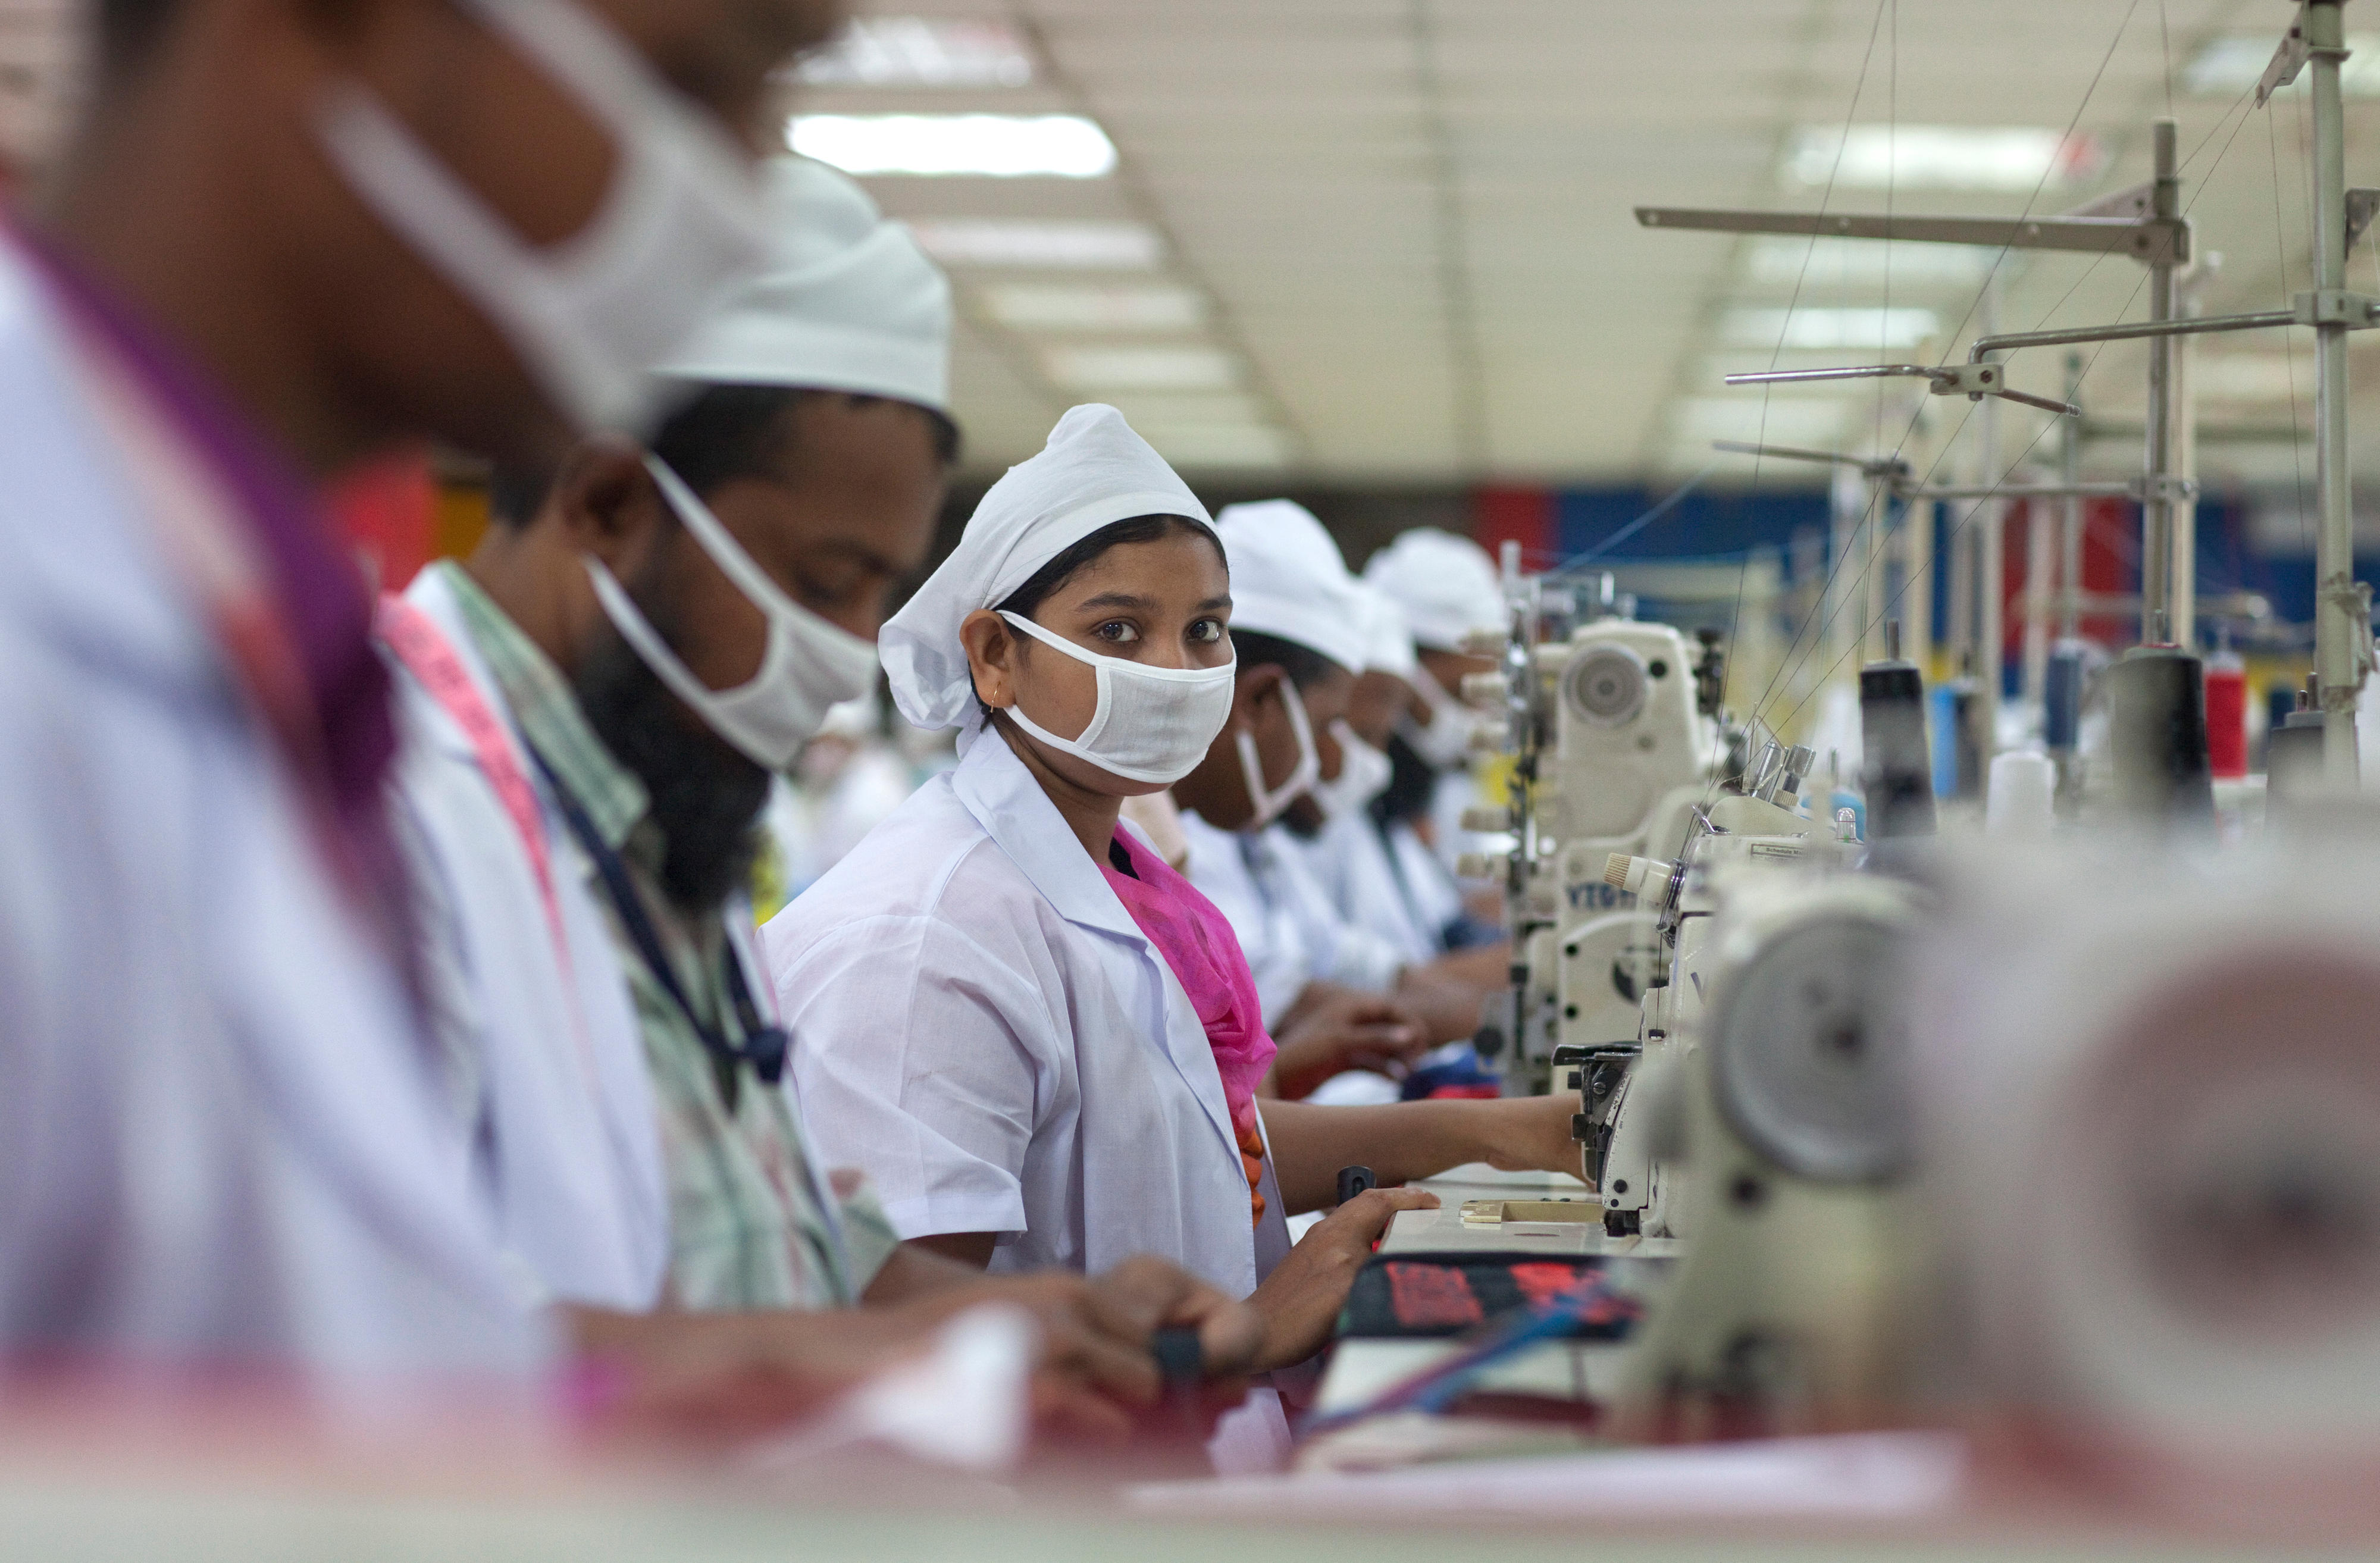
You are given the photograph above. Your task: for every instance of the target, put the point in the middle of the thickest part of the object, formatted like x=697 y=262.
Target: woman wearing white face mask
x=1040 y=1043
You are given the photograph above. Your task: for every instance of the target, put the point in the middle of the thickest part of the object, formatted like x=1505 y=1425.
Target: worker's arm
x=1407 y=1140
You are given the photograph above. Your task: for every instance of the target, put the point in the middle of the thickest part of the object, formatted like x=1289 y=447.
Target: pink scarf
x=1197 y=944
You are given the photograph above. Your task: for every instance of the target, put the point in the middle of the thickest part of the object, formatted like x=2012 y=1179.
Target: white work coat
x=220 y=1140
x=546 y=1059
x=1352 y=861
x=978 y=1023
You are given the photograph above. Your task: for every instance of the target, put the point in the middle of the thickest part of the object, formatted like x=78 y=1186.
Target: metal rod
x=2156 y=502
x=2105 y=236
x=1991 y=635
x=2008 y=342
x=2339 y=636
x=2069 y=463
x=1799 y=453
x=1857 y=371
x=2110 y=490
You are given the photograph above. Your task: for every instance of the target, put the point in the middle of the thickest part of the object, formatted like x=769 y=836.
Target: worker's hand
x=1446 y=1010
x=1302 y=1297
x=714 y=1379
x=1530 y=1133
x=1484 y=967
x=1344 y=1030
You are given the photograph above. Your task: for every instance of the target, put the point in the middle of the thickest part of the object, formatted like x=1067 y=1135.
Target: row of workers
x=378 y=997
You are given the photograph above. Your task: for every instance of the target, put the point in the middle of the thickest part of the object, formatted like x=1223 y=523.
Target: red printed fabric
x=1432 y=1297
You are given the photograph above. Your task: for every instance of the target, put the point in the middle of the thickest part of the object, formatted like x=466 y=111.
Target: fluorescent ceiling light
x=1878 y=329
x=1035 y=306
x=1219 y=444
x=1795 y=421
x=1141 y=369
x=921 y=52
x=2230 y=65
x=1844 y=262
x=999 y=145
x=1199 y=408
x=1941 y=157
x=993 y=241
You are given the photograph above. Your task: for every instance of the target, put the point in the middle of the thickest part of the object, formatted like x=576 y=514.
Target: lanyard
x=410 y=632
x=764 y=1045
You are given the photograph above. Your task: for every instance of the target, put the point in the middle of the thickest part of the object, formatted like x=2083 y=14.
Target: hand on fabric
x=1532 y=1133
x=1342 y=1030
x=1302 y=1298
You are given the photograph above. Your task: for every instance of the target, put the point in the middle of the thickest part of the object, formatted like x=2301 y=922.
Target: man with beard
x=597 y=701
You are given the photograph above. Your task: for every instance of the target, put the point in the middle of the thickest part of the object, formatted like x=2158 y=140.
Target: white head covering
x=1094 y=471
x=1445 y=585
x=1387 y=645
x=1287 y=580
x=846 y=302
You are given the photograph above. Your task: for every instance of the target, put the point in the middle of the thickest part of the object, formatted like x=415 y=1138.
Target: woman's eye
x=1206 y=632
x=1115 y=632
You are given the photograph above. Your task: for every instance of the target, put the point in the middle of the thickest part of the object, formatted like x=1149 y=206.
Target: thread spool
x=2156 y=715
x=2227 y=716
x=2062 y=715
x=2023 y=800
x=2293 y=754
x=1897 y=767
x=1944 y=702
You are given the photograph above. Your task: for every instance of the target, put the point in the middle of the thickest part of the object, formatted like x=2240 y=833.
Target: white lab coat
x=1351 y=861
x=218 y=1123
x=977 y=1022
x=547 y=1060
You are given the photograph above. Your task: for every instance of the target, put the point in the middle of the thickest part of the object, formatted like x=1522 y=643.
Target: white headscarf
x=1445 y=585
x=1094 y=471
x=1289 y=580
x=848 y=301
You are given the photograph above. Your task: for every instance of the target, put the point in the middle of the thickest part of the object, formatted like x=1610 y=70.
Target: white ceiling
x=1409 y=220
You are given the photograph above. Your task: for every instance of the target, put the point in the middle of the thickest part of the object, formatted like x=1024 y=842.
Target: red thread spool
x=2227 y=716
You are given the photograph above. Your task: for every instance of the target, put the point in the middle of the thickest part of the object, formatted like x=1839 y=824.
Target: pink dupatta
x=1204 y=954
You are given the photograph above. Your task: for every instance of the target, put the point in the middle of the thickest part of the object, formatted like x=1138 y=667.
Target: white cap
x=846 y=302
x=1388 y=645
x=1289 y=581
x=1095 y=471
x=1445 y=585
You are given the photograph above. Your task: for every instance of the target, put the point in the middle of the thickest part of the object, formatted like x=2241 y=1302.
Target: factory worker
x=217 y=1120
x=1447 y=588
x=1041 y=1043
x=1302 y=626
x=658 y=631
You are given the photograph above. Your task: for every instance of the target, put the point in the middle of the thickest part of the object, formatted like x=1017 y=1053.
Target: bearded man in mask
x=648 y=637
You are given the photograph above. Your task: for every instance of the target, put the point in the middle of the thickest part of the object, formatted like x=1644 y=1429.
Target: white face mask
x=1270 y=806
x=1364 y=774
x=810 y=664
x=590 y=316
x=1445 y=742
x=1151 y=724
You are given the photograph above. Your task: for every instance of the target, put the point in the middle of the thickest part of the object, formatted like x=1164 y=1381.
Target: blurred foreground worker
x=1447 y=588
x=1338 y=992
x=655 y=637
x=286 y=237
x=1042 y=1043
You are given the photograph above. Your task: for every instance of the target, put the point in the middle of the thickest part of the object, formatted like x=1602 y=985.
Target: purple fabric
x=323 y=600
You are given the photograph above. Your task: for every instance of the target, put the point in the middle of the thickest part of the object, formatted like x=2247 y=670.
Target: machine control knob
x=1488 y=739
x=1635 y=874
x=1488 y=689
